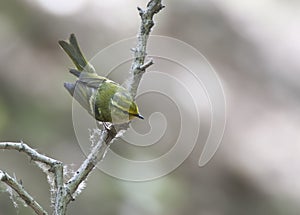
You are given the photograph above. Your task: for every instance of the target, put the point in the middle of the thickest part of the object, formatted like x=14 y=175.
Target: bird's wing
x=85 y=95
x=87 y=89
x=92 y=79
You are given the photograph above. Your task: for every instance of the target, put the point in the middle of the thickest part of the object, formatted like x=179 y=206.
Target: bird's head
x=123 y=107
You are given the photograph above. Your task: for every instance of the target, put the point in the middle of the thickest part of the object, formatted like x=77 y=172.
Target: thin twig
x=137 y=69
x=16 y=186
x=33 y=154
x=146 y=65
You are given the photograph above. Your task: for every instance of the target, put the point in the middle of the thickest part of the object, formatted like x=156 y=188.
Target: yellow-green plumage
x=104 y=99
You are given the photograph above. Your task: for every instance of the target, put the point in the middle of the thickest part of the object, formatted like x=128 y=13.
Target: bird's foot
x=107 y=126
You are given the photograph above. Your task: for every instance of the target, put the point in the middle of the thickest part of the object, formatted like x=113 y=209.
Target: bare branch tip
x=133 y=49
x=141 y=11
x=146 y=65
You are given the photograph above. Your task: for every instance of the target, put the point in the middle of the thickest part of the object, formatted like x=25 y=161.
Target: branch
x=137 y=70
x=65 y=192
x=33 y=154
x=55 y=166
x=138 y=66
x=97 y=154
x=54 y=172
x=16 y=186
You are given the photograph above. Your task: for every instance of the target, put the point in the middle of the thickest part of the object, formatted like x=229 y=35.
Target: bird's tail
x=70 y=87
x=71 y=47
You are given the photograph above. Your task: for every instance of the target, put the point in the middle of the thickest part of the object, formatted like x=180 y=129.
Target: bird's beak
x=140 y=116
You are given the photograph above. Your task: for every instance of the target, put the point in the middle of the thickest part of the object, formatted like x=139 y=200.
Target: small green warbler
x=104 y=99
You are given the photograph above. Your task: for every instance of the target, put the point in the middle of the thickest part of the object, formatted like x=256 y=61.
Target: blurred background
x=253 y=45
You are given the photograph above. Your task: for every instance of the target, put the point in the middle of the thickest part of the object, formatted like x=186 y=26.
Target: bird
x=104 y=99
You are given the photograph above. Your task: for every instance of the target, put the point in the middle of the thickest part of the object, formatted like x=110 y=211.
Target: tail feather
x=75 y=72
x=71 y=47
x=74 y=43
